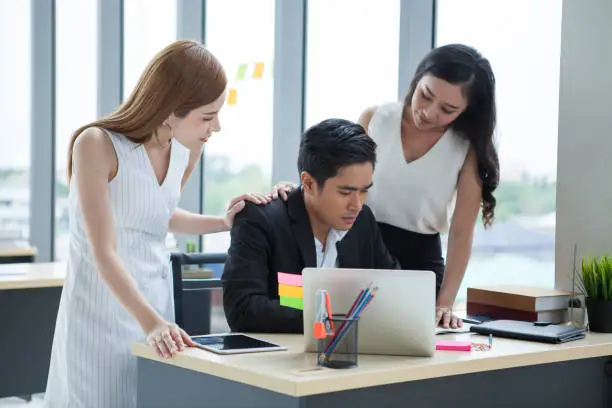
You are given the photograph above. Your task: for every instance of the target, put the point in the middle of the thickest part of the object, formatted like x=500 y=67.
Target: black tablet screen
x=232 y=342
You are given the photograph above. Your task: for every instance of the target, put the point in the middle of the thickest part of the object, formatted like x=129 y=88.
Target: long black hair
x=460 y=64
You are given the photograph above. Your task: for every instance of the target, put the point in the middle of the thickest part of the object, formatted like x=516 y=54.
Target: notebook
x=515 y=329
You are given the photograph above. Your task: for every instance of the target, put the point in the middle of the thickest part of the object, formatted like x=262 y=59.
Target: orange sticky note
x=290 y=291
x=232 y=97
x=259 y=69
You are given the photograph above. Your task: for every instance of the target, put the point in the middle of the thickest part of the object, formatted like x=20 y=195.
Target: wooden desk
x=52 y=274
x=514 y=373
x=29 y=299
x=197 y=273
x=32 y=275
x=17 y=253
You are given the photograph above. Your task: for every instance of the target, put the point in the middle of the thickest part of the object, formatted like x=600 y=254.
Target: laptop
x=400 y=319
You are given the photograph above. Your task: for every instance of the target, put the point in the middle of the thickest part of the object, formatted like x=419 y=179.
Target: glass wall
x=239 y=158
x=352 y=51
x=15 y=108
x=76 y=61
x=522 y=40
x=148 y=26
x=352 y=57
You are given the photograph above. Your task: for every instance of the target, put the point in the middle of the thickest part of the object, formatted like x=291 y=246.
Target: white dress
x=91 y=361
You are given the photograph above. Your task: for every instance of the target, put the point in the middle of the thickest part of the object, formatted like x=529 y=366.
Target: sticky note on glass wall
x=232 y=98
x=259 y=70
x=241 y=73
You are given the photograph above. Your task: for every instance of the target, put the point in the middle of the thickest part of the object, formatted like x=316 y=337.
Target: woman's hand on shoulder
x=237 y=203
x=281 y=189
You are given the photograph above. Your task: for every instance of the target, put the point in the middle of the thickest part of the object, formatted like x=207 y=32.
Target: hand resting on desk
x=446 y=318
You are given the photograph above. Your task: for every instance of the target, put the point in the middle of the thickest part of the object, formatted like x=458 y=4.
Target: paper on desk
x=442 y=330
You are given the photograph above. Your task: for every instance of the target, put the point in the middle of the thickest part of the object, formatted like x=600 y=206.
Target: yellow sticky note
x=232 y=97
x=290 y=291
x=259 y=69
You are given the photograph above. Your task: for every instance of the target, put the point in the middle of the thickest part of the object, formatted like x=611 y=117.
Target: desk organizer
x=339 y=350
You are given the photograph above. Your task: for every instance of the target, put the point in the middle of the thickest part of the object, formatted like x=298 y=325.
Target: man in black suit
x=324 y=223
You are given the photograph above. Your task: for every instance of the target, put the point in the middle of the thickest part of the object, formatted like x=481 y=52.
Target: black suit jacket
x=277 y=237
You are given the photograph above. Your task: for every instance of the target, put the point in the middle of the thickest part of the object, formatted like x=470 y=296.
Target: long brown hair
x=181 y=77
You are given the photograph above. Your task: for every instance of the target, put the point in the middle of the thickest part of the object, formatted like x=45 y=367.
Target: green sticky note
x=295 y=303
x=240 y=75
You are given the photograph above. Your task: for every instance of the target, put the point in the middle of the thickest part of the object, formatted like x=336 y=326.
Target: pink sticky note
x=453 y=345
x=289 y=279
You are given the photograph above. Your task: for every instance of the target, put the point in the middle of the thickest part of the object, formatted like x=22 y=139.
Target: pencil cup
x=340 y=349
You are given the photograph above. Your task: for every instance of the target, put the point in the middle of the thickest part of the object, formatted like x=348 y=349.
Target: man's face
x=338 y=202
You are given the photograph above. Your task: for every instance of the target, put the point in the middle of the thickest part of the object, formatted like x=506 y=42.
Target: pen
x=329 y=313
x=490 y=340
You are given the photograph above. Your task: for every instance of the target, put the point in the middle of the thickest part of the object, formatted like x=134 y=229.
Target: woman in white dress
x=126 y=173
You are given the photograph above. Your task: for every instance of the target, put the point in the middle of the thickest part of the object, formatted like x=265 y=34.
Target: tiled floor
x=37 y=402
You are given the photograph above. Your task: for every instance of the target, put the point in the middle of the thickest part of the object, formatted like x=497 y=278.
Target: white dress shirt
x=329 y=257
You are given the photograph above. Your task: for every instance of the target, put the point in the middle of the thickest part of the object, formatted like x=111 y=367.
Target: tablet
x=234 y=343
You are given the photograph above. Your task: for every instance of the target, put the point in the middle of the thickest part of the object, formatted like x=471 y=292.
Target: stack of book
x=517 y=302
x=290 y=290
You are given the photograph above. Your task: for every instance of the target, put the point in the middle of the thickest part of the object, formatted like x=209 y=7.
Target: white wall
x=584 y=168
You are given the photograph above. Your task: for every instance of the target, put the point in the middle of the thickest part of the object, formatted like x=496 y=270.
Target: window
x=148 y=26
x=15 y=86
x=76 y=95
x=352 y=57
x=238 y=159
x=522 y=40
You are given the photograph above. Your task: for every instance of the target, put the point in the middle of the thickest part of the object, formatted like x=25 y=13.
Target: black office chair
x=192 y=297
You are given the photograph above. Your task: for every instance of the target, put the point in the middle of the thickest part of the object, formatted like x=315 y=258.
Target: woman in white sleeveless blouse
x=435 y=149
x=126 y=173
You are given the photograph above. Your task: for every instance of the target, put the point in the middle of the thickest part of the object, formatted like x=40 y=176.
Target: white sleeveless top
x=415 y=196
x=91 y=362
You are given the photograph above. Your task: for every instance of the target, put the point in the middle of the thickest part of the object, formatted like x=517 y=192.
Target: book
x=519 y=297
x=503 y=313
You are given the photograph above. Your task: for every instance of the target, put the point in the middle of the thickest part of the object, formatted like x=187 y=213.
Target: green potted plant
x=190 y=247
x=596 y=282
